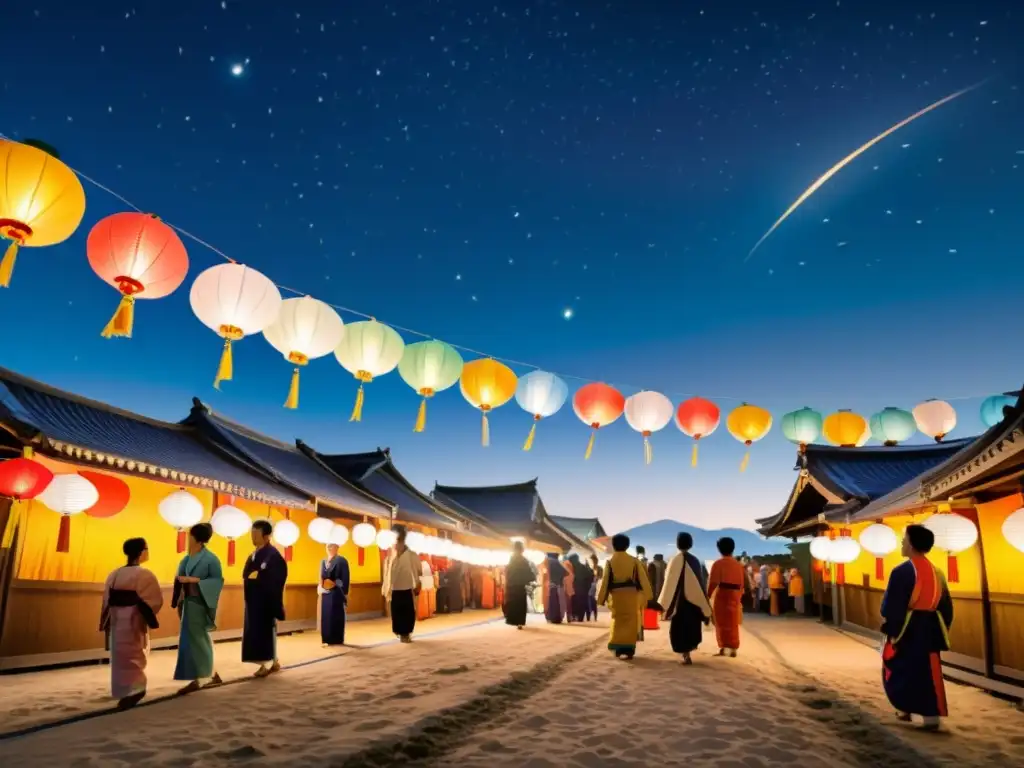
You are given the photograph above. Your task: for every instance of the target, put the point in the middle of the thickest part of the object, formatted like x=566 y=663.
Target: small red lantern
x=23 y=478
x=114 y=494
x=598 y=405
x=697 y=418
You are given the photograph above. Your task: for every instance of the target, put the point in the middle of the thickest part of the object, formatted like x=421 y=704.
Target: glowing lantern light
x=598 y=405
x=992 y=409
x=41 y=200
x=368 y=349
x=953 y=533
x=69 y=495
x=304 y=330
x=821 y=548
x=230 y=522
x=697 y=418
x=891 y=426
x=181 y=510
x=802 y=427
x=141 y=257
x=23 y=478
x=429 y=367
x=233 y=301
x=879 y=540
x=935 y=418
x=319 y=529
x=540 y=394
x=844 y=550
x=1013 y=529
x=363 y=536
x=386 y=540
x=748 y=424
x=338 y=535
x=286 y=533
x=414 y=540
x=487 y=384
x=648 y=412
x=845 y=429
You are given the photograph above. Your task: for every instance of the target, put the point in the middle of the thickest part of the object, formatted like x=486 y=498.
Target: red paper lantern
x=141 y=257
x=23 y=478
x=114 y=494
x=697 y=418
x=598 y=405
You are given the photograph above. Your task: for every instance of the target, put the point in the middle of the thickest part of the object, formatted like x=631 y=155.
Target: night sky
x=475 y=169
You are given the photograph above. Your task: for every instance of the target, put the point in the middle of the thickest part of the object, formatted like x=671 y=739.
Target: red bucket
x=652 y=619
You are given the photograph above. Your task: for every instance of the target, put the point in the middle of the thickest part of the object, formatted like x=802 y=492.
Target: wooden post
x=986 y=601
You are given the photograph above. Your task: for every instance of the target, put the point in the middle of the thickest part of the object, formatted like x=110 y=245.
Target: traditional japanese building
x=586 y=529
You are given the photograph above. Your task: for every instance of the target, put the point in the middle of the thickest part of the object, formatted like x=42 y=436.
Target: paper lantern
x=230 y=522
x=597 y=405
x=319 y=529
x=113 y=491
x=648 y=412
x=954 y=534
x=140 y=257
x=23 y=478
x=540 y=394
x=697 y=418
x=891 y=426
x=845 y=429
x=802 y=427
x=844 y=550
x=41 y=200
x=286 y=533
x=181 y=510
x=234 y=301
x=1013 y=529
x=414 y=541
x=363 y=536
x=304 y=330
x=748 y=424
x=386 y=540
x=429 y=367
x=68 y=495
x=935 y=418
x=879 y=540
x=487 y=384
x=368 y=349
x=338 y=535
x=992 y=409
x=821 y=548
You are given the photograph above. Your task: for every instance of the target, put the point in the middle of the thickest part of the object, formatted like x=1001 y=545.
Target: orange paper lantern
x=598 y=405
x=697 y=418
x=113 y=491
x=748 y=424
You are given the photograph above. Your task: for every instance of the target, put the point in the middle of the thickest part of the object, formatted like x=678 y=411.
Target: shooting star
x=853 y=156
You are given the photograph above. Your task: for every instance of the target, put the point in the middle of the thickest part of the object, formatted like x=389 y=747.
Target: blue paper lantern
x=891 y=426
x=802 y=427
x=992 y=408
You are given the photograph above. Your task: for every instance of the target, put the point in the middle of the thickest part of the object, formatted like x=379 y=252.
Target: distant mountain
x=660 y=537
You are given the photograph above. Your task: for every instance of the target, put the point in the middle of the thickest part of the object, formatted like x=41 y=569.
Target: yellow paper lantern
x=487 y=384
x=748 y=424
x=846 y=429
x=41 y=200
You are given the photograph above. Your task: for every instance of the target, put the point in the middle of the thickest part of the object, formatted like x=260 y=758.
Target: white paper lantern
x=935 y=418
x=953 y=533
x=414 y=541
x=1013 y=529
x=319 y=529
x=364 y=535
x=534 y=556
x=181 y=510
x=368 y=349
x=286 y=533
x=69 y=494
x=338 y=535
x=879 y=540
x=444 y=547
x=821 y=548
x=304 y=330
x=844 y=550
x=230 y=522
x=648 y=412
x=386 y=540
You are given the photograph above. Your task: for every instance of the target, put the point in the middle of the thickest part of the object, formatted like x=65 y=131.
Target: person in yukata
x=582 y=579
x=725 y=586
x=401 y=587
x=554 y=600
x=656 y=573
x=796 y=590
x=263 y=576
x=333 y=591
x=595 y=566
x=518 y=575
x=131 y=600
x=776 y=589
x=684 y=599
x=625 y=582
x=197 y=589
x=917 y=613
x=568 y=590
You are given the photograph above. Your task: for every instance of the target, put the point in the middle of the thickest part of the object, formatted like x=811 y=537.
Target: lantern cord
x=648 y=451
x=7 y=265
x=485 y=434
x=293 y=391
x=745 y=462
x=226 y=367
x=357 y=410
x=123 y=321
x=529 y=438
x=421 y=417
x=590 y=444
x=693 y=455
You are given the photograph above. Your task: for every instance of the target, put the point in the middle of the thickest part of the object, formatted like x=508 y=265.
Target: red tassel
x=181 y=541
x=951 y=566
x=231 y=551
x=287 y=554
x=64 y=534
x=879 y=568
x=840 y=574
x=361 y=558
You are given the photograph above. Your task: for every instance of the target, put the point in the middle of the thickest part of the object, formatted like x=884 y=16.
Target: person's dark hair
x=518 y=547
x=593 y=559
x=640 y=550
x=133 y=549
x=620 y=542
x=920 y=538
x=400 y=533
x=201 y=532
x=263 y=526
x=684 y=541
x=726 y=546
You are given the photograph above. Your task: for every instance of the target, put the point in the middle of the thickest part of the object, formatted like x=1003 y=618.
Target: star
x=567 y=313
x=238 y=70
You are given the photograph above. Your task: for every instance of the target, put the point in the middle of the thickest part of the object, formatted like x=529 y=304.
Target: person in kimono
x=569 y=590
x=518 y=575
x=401 y=587
x=656 y=573
x=776 y=591
x=764 y=590
x=263 y=577
x=917 y=613
x=595 y=567
x=131 y=600
x=625 y=582
x=725 y=585
x=453 y=587
x=581 y=580
x=197 y=589
x=796 y=590
x=333 y=590
x=684 y=599
x=426 y=602
x=554 y=600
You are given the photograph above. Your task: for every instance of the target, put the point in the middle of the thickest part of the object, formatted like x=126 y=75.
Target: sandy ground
x=799 y=694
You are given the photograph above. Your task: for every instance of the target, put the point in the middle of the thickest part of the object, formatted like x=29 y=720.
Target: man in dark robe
x=656 y=573
x=518 y=574
x=264 y=577
x=554 y=600
x=917 y=613
x=334 y=588
x=582 y=580
x=684 y=599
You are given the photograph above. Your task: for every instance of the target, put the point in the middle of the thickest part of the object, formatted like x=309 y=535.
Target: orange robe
x=725 y=585
x=775 y=584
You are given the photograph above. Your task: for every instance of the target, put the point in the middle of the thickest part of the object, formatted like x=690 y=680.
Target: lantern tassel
x=293 y=392
x=953 y=569
x=693 y=455
x=529 y=438
x=590 y=445
x=7 y=265
x=361 y=556
x=123 y=321
x=421 y=417
x=226 y=367
x=357 y=410
x=64 y=534
x=745 y=462
x=648 y=451
x=485 y=432
x=840 y=574
x=287 y=554
x=181 y=541
x=231 y=552
x=879 y=568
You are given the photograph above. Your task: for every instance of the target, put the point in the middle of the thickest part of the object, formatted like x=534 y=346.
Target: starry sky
x=472 y=170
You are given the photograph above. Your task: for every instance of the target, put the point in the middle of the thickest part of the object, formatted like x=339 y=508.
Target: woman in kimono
x=725 y=585
x=131 y=600
x=554 y=599
x=518 y=574
x=197 y=590
x=625 y=582
x=684 y=599
x=333 y=590
x=917 y=613
x=568 y=590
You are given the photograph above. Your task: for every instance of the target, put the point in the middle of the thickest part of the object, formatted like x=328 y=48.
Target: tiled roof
x=581 y=527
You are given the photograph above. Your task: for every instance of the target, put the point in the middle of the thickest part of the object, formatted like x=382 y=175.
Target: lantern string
x=421 y=334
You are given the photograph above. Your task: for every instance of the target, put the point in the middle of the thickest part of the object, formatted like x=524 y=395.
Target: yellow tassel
x=13 y=520
x=529 y=438
x=590 y=445
x=123 y=321
x=746 y=460
x=357 y=410
x=226 y=367
x=293 y=392
x=693 y=456
x=7 y=265
x=648 y=451
x=485 y=434
x=421 y=417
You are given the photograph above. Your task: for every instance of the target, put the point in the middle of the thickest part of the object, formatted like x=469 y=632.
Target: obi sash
x=129 y=598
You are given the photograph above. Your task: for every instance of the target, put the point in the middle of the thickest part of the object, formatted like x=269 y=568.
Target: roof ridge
x=222 y=420
x=526 y=485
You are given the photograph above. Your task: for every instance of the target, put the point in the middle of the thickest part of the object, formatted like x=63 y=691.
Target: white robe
x=692 y=592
